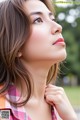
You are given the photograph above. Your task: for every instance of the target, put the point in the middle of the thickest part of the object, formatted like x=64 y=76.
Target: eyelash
x=36 y=20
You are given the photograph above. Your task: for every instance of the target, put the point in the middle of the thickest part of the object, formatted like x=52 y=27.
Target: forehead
x=35 y=5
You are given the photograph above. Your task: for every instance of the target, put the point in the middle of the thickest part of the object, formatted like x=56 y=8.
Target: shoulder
x=16 y=113
x=5 y=107
x=11 y=93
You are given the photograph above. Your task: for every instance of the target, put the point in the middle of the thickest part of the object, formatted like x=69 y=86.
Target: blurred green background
x=68 y=15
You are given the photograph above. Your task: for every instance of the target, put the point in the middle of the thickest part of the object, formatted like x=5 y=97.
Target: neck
x=39 y=74
x=39 y=82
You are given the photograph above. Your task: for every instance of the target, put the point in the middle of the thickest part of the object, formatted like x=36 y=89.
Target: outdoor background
x=68 y=15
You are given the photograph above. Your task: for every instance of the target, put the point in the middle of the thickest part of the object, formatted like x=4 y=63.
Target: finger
x=54 y=89
x=56 y=98
x=54 y=93
x=51 y=99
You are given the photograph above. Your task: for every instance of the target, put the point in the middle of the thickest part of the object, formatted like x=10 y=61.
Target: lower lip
x=60 y=43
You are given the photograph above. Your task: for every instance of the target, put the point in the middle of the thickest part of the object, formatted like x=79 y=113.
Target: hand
x=56 y=96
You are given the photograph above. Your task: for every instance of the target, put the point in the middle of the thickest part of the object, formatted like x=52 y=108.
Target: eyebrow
x=40 y=13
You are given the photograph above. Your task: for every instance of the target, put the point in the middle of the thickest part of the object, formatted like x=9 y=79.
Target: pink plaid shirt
x=15 y=113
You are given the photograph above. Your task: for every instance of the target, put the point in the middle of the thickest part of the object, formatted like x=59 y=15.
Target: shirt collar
x=18 y=112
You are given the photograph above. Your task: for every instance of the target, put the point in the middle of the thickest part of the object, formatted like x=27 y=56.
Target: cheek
x=38 y=42
x=39 y=36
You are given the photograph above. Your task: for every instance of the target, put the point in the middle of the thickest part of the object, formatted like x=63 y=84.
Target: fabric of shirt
x=16 y=113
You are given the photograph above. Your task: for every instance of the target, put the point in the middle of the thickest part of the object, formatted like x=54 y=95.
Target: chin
x=63 y=57
x=60 y=58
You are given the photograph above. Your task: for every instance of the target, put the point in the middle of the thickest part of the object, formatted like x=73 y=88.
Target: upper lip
x=58 y=40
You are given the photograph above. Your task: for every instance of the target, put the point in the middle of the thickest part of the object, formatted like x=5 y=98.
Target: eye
x=52 y=18
x=38 y=20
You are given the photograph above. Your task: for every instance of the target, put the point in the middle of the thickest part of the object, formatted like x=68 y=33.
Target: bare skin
x=38 y=55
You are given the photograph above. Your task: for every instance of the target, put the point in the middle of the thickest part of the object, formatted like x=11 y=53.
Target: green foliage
x=71 y=33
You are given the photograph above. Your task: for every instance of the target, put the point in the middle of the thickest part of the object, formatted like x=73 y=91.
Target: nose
x=56 y=28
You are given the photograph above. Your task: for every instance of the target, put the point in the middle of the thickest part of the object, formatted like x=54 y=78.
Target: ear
x=19 y=54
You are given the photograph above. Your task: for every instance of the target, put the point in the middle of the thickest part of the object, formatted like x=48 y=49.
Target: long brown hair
x=15 y=29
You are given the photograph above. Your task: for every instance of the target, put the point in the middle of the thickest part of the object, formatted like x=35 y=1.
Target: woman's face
x=45 y=32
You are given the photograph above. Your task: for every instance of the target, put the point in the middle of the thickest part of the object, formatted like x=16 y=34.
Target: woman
x=31 y=48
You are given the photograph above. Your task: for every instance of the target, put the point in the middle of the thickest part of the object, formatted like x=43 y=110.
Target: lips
x=60 y=40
